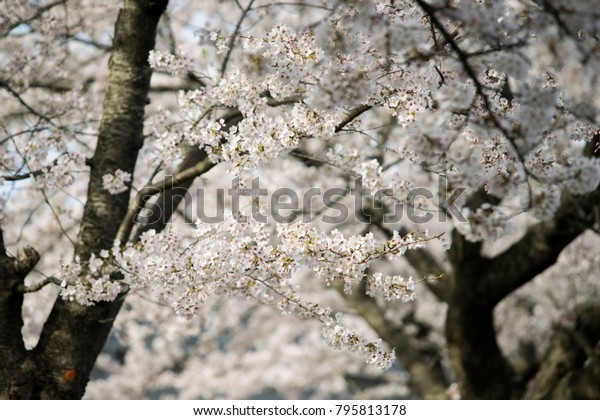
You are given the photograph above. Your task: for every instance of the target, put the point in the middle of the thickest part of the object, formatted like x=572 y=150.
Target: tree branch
x=351 y=116
x=233 y=36
x=540 y=247
x=39 y=12
x=22 y=101
x=38 y=286
x=185 y=177
x=194 y=156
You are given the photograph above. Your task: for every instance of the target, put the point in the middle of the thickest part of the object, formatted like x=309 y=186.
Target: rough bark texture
x=16 y=368
x=471 y=338
x=121 y=129
x=74 y=335
x=479 y=283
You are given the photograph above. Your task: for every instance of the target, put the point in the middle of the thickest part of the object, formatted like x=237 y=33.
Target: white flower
x=116 y=183
x=178 y=65
x=370 y=174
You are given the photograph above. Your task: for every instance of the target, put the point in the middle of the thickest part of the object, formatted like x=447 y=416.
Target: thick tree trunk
x=16 y=366
x=74 y=335
x=479 y=283
x=477 y=362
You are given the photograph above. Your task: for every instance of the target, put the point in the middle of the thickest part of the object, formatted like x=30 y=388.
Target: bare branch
x=29 y=175
x=25 y=104
x=39 y=12
x=351 y=116
x=233 y=37
x=298 y=4
x=540 y=247
x=150 y=190
x=38 y=286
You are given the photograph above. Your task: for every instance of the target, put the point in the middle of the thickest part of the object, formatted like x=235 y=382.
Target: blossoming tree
x=398 y=176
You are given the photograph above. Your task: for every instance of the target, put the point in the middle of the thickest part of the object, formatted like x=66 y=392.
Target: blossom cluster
x=178 y=65
x=341 y=337
x=291 y=58
x=499 y=97
x=88 y=283
x=241 y=259
x=391 y=287
x=116 y=183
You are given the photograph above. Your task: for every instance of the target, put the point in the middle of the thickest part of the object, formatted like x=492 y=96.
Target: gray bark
x=74 y=335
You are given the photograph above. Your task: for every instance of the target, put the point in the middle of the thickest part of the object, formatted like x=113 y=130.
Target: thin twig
x=233 y=36
x=298 y=4
x=25 y=104
x=41 y=189
x=60 y=225
x=39 y=12
x=18 y=133
x=464 y=59
x=33 y=174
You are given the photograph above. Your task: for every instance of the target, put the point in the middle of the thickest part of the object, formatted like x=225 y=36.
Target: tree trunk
x=73 y=336
x=16 y=367
x=477 y=362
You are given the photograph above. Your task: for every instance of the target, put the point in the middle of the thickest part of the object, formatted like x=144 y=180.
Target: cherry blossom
x=117 y=138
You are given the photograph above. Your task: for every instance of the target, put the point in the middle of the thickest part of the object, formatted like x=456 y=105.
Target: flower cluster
x=337 y=258
x=236 y=258
x=116 y=183
x=88 y=283
x=391 y=287
x=311 y=122
x=291 y=56
x=178 y=65
x=341 y=337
